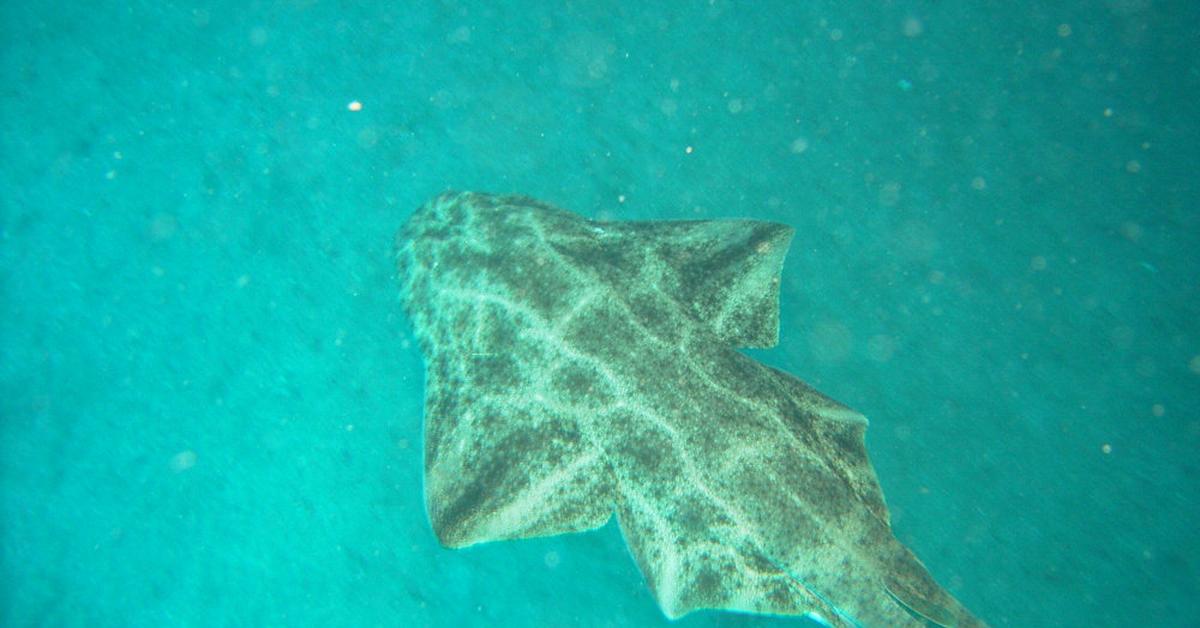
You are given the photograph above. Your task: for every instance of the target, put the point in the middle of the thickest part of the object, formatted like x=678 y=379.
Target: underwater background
x=210 y=401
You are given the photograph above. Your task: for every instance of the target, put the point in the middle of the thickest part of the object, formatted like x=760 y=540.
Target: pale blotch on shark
x=579 y=369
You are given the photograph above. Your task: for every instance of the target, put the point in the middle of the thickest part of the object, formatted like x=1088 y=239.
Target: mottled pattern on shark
x=578 y=369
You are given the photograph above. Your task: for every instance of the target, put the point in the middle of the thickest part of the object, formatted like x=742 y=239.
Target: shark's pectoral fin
x=913 y=589
x=475 y=493
x=725 y=272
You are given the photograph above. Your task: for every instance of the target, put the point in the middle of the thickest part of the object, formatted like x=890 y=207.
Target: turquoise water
x=210 y=405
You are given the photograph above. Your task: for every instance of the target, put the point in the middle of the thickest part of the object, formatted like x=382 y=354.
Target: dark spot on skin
x=581 y=386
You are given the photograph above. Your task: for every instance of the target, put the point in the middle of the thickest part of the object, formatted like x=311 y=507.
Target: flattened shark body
x=579 y=369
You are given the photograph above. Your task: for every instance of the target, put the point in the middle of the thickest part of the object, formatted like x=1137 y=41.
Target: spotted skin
x=579 y=369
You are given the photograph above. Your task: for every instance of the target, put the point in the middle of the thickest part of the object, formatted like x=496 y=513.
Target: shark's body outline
x=577 y=369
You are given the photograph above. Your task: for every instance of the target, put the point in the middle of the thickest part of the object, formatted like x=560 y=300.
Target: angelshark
x=578 y=369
